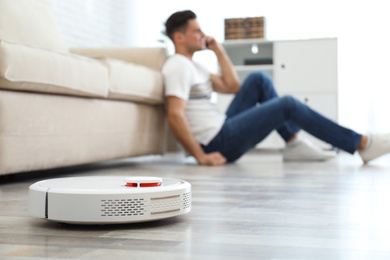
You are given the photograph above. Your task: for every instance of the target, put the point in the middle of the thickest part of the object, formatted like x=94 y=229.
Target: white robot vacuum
x=109 y=199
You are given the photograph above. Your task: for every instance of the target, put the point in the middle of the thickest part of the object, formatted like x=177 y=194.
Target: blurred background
x=360 y=26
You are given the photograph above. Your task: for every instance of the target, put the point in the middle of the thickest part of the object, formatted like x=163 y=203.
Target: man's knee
x=289 y=102
x=260 y=75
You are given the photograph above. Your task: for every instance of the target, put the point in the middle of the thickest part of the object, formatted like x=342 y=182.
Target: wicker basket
x=244 y=28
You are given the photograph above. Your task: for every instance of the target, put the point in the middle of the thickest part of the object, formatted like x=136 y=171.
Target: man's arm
x=228 y=81
x=180 y=128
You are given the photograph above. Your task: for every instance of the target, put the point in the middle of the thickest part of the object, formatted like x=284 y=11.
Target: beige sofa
x=61 y=107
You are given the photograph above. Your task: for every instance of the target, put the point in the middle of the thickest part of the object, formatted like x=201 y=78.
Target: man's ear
x=178 y=37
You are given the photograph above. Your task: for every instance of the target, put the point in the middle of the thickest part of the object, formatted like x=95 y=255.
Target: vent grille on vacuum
x=122 y=207
x=186 y=200
x=170 y=202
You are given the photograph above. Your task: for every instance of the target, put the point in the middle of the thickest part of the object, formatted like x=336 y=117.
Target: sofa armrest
x=153 y=58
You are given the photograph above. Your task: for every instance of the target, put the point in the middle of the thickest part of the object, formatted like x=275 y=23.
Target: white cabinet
x=306 y=69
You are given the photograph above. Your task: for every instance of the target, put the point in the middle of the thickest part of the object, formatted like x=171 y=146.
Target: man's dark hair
x=178 y=22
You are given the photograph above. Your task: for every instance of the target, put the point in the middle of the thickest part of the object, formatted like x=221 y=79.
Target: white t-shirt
x=191 y=81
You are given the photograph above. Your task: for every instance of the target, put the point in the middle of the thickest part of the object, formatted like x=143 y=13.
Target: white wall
x=91 y=22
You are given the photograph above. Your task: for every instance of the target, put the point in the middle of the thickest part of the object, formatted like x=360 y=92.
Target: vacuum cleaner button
x=143 y=182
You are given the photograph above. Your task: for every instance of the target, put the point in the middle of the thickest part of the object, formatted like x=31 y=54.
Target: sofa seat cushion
x=132 y=82
x=29 y=68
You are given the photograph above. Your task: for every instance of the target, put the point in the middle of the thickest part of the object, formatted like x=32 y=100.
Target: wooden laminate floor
x=257 y=208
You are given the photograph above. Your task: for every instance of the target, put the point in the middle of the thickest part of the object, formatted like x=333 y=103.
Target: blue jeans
x=248 y=123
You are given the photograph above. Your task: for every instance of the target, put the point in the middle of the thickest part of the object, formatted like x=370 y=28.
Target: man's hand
x=212 y=44
x=213 y=159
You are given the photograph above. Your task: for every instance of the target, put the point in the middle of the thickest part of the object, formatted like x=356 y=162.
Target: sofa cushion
x=151 y=57
x=34 y=69
x=133 y=82
x=30 y=22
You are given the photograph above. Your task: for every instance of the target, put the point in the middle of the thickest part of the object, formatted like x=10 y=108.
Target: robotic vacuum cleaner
x=109 y=199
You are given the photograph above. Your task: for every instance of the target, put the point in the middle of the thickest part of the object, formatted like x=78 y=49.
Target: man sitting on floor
x=214 y=138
